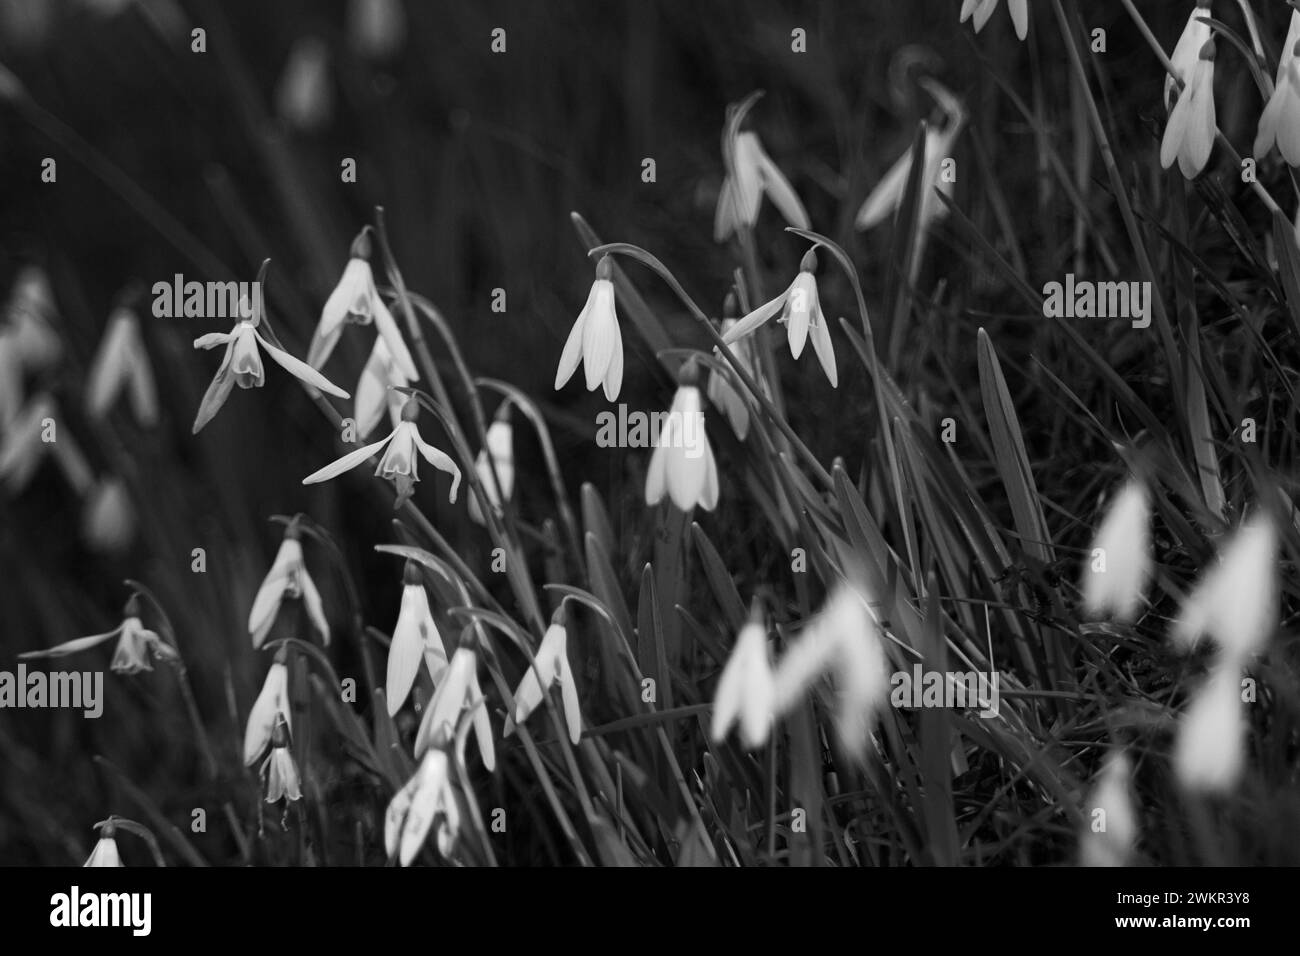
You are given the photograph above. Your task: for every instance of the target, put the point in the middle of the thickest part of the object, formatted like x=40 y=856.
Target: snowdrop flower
x=356 y=301
x=22 y=448
x=497 y=457
x=287 y=577
x=981 y=10
x=1109 y=838
x=682 y=462
x=801 y=314
x=108 y=520
x=122 y=364
x=551 y=666
x=375 y=390
x=415 y=638
x=303 y=97
x=752 y=174
x=595 y=339
x=1236 y=601
x=458 y=692
x=105 y=851
x=725 y=394
x=279 y=773
x=400 y=461
x=1119 y=567
x=376 y=27
x=428 y=797
x=745 y=694
x=136 y=645
x=242 y=365
x=1280 y=121
x=843 y=640
x=1187 y=51
x=1189 y=134
x=271 y=706
x=1209 y=747
x=31 y=315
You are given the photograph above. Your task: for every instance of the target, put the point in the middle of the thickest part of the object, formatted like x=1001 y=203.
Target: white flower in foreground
x=497 y=457
x=242 y=365
x=108 y=520
x=136 y=645
x=1236 y=600
x=287 y=577
x=551 y=667
x=682 y=462
x=1187 y=50
x=745 y=694
x=415 y=639
x=1280 y=121
x=1110 y=835
x=279 y=773
x=375 y=391
x=1118 y=567
x=1189 y=134
x=122 y=364
x=356 y=301
x=595 y=339
x=843 y=640
x=428 y=797
x=981 y=10
x=1210 y=742
x=753 y=174
x=400 y=460
x=271 y=706
x=801 y=313
x=376 y=28
x=458 y=692
x=105 y=851
x=31 y=315
x=303 y=98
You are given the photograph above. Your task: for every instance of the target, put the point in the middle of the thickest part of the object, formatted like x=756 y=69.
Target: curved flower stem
x=138 y=829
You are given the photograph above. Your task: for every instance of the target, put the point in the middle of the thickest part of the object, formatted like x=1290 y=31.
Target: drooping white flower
x=682 y=463
x=1280 y=121
x=303 y=98
x=1187 y=51
x=376 y=28
x=428 y=797
x=374 y=390
x=459 y=691
x=801 y=313
x=400 y=460
x=108 y=520
x=288 y=577
x=136 y=645
x=31 y=314
x=121 y=364
x=1236 y=600
x=1189 y=134
x=105 y=852
x=981 y=10
x=751 y=176
x=35 y=432
x=727 y=394
x=356 y=301
x=279 y=773
x=1210 y=742
x=1118 y=567
x=272 y=705
x=745 y=694
x=496 y=458
x=1111 y=826
x=415 y=639
x=595 y=339
x=551 y=666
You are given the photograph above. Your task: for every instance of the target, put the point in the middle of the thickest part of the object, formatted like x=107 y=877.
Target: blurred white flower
x=279 y=773
x=11 y=378
x=753 y=174
x=428 y=797
x=136 y=644
x=108 y=520
x=105 y=851
x=1280 y=121
x=459 y=691
x=272 y=705
x=1189 y=134
x=122 y=364
x=497 y=457
x=287 y=577
x=374 y=392
x=551 y=667
x=1209 y=746
x=1109 y=839
x=31 y=313
x=682 y=463
x=981 y=10
x=745 y=694
x=595 y=339
x=415 y=638
x=356 y=301
x=1187 y=51
x=1236 y=600
x=376 y=28
x=1118 y=566
x=400 y=460
x=304 y=98
x=801 y=313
